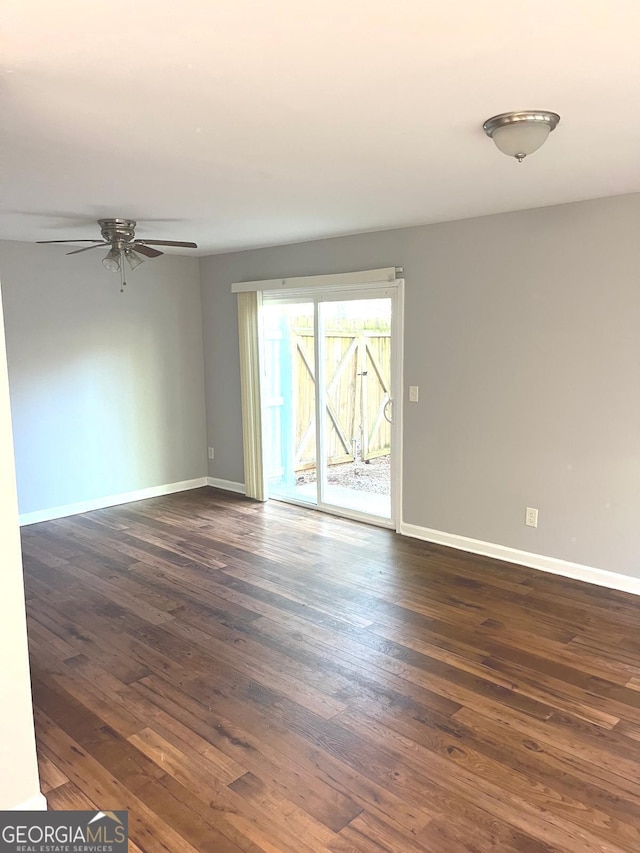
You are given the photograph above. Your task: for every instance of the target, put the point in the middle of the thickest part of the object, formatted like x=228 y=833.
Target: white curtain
x=248 y=327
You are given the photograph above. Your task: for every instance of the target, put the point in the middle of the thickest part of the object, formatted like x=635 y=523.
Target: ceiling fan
x=120 y=236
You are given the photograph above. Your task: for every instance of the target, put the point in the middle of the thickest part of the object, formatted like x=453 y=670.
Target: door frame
x=379 y=283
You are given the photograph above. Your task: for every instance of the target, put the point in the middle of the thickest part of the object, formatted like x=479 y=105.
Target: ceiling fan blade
x=168 y=243
x=86 y=248
x=70 y=240
x=146 y=250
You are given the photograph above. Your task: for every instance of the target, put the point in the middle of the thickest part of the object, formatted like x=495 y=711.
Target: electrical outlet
x=413 y=393
x=531 y=517
x=211 y=453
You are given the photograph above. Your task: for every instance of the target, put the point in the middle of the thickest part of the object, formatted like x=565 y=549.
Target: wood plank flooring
x=262 y=678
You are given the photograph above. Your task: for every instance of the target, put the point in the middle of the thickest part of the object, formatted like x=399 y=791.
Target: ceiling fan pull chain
x=123 y=283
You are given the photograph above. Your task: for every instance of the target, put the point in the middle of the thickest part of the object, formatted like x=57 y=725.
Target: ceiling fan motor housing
x=118 y=230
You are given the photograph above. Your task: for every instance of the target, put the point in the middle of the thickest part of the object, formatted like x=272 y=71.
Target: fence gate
x=357 y=374
x=376 y=360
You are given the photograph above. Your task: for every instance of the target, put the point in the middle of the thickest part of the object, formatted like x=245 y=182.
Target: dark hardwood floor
x=264 y=678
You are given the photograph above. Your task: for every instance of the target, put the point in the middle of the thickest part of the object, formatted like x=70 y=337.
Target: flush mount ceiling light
x=519 y=134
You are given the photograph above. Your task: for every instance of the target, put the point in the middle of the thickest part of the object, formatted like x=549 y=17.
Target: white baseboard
x=34 y=804
x=575 y=571
x=111 y=500
x=228 y=485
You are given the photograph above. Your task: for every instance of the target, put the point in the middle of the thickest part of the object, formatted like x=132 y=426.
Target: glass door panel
x=355 y=359
x=289 y=401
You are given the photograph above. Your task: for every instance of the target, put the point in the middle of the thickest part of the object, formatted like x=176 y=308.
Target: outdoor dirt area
x=373 y=477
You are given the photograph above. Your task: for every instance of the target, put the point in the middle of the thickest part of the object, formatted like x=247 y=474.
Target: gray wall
x=523 y=332
x=106 y=388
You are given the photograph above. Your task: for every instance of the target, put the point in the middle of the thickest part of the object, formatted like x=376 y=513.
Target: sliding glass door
x=327 y=401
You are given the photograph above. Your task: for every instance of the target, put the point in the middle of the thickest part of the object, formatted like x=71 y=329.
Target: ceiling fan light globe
x=111 y=260
x=133 y=259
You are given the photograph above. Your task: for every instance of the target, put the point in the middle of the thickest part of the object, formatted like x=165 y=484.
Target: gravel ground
x=373 y=477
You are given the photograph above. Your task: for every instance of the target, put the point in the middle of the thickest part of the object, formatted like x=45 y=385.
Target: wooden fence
x=357 y=380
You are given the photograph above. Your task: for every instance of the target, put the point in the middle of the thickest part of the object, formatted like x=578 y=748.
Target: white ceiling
x=243 y=123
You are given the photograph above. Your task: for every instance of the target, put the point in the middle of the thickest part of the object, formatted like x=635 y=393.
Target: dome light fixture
x=519 y=134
